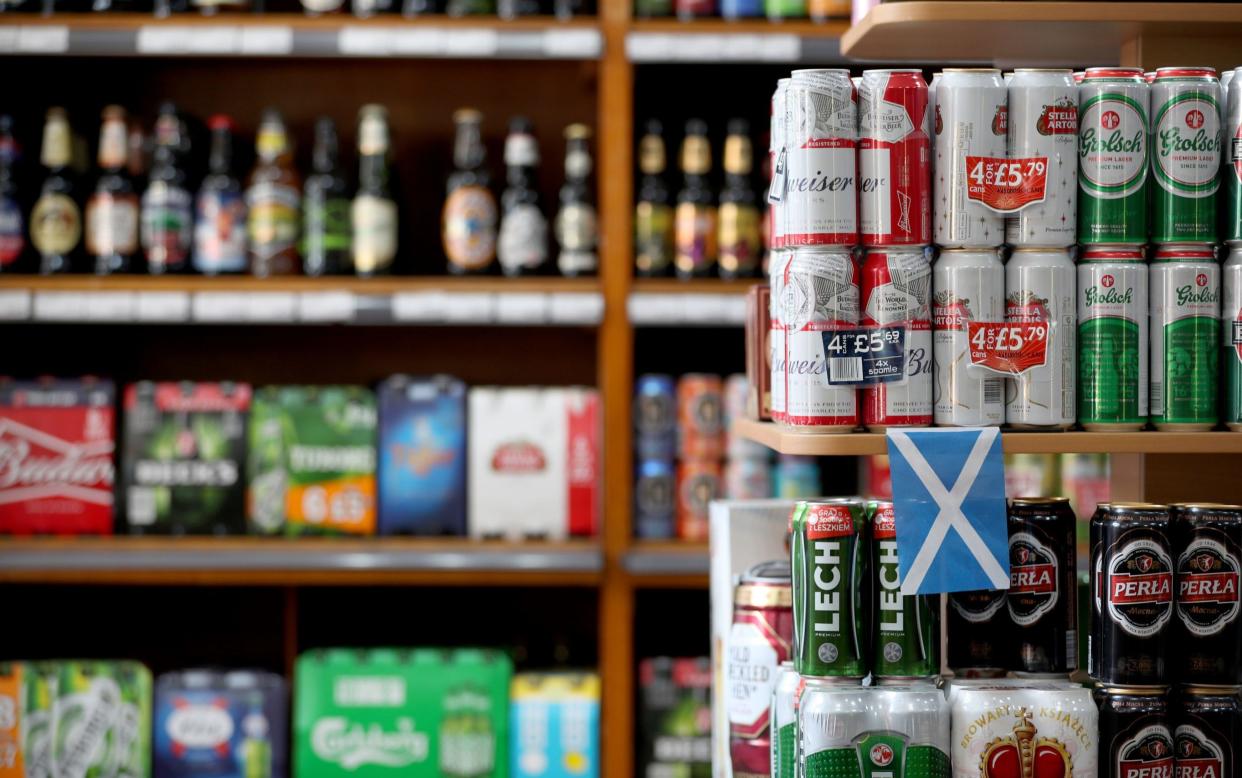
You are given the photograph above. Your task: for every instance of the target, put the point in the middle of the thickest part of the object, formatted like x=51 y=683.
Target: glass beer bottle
x=325 y=207
x=56 y=220
x=694 y=223
x=653 y=214
x=576 y=225
x=220 y=224
x=739 y=234
x=374 y=212
x=13 y=246
x=274 y=200
x=112 y=210
x=522 y=248
x=470 y=211
x=167 y=220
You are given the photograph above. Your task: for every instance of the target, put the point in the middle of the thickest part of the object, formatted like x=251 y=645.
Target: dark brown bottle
x=56 y=220
x=694 y=223
x=740 y=241
x=653 y=213
x=112 y=210
x=274 y=199
x=166 y=225
x=577 y=230
x=373 y=214
x=522 y=247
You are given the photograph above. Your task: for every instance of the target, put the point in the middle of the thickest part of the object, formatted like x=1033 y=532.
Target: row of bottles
x=505 y=9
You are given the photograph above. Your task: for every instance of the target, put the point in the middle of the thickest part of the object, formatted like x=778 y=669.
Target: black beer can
x=1131 y=594
x=1135 y=737
x=1042 y=598
x=1208 y=633
x=978 y=633
x=1206 y=731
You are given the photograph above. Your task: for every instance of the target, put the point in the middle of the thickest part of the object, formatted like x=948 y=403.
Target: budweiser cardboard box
x=534 y=462
x=57 y=456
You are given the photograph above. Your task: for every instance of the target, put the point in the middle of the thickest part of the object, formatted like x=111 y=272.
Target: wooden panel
x=387 y=285
x=1206 y=478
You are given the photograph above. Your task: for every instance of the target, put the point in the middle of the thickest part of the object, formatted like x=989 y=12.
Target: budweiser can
x=966 y=286
x=1135 y=739
x=817 y=291
x=1186 y=138
x=1043 y=123
x=1045 y=729
x=894 y=159
x=896 y=291
x=1207 y=731
x=1231 y=159
x=1231 y=338
x=778 y=260
x=776 y=152
x=1113 y=156
x=1043 y=585
x=1185 y=326
x=1112 y=339
x=817 y=191
x=759 y=641
x=970 y=122
x=1207 y=547
x=783 y=722
x=1041 y=289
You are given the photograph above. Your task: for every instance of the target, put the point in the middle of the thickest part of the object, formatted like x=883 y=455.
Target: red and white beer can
x=971 y=121
x=817 y=183
x=1043 y=125
x=894 y=159
x=777 y=262
x=776 y=145
x=896 y=291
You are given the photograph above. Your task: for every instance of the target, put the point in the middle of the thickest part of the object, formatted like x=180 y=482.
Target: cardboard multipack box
x=674 y=717
x=554 y=725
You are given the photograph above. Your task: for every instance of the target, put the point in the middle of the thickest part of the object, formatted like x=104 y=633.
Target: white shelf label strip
x=162 y=306
x=14 y=305
x=326 y=306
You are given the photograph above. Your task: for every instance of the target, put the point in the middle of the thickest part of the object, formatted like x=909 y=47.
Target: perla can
x=784 y=722
x=1112 y=339
x=1135 y=739
x=894 y=159
x=966 y=286
x=829 y=558
x=970 y=121
x=818 y=188
x=1231 y=338
x=1186 y=152
x=896 y=291
x=1207 y=728
x=1112 y=156
x=906 y=638
x=1231 y=158
x=1185 y=332
x=1044 y=729
x=1207 y=549
x=1041 y=288
x=1043 y=123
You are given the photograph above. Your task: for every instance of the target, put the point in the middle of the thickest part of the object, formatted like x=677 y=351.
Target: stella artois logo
x=1000 y=120
x=519 y=456
x=950 y=312
x=1197 y=755
x=1058 y=119
x=35 y=465
x=1207 y=586
x=1137 y=586
x=1148 y=754
x=1026 y=306
x=1025 y=755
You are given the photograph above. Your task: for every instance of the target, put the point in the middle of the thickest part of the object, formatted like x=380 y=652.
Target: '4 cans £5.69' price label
x=868 y=355
x=1006 y=185
x=1008 y=348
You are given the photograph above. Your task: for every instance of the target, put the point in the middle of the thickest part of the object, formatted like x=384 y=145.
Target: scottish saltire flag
x=949 y=505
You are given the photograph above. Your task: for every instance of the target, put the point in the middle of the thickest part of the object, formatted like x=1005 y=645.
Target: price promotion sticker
x=1006 y=185
x=868 y=355
x=1008 y=348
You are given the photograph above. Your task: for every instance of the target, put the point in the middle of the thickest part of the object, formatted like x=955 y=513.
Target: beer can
x=1186 y=133
x=776 y=150
x=1185 y=328
x=1131 y=594
x=700 y=416
x=830 y=716
x=1043 y=585
x=970 y=122
x=894 y=159
x=655 y=484
x=1112 y=339
x=1135 y=739
x=796 y=477
x=855 y=731
x=966 y=286
x=1043 y=122
x=783 y=719
x=1079 y=75
x=896 y=292
x=759 y=641
x=736 y=392
x=1044 y=729
x=818 y=193
x=829 y=555
x=1113 y=156
x=1207 y=730
x=1231 y=338
x=929 y=121
x=906 y=639
x=817 y=291
x=979 y=633
x=698 y=483
x=655 y=416
x=1226 y=78
x=778 y=261
x=1207 y=548
x=1041 y=287
x=747 y=479
x=1231 y=158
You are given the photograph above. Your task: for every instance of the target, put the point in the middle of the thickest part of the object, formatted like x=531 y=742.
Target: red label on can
x=894 y=160
x=884 y=524
x=1039 y=579
x=829 y=521
x=1207 y=587
x=1008 y=347
x=1128 y=588
x=1006 y=185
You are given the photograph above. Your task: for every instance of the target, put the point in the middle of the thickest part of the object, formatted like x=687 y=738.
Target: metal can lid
x=1040 y=501
x=1206 y=690
x=972 y=70
x=1066 y=71
x=1185 y=251
x=882 y=71
x=833 y=681
x=1198 y=71
x=763 y=595
x=1125 y=507
x=1133 y=691
x=1113 y=72
x=1121 y=253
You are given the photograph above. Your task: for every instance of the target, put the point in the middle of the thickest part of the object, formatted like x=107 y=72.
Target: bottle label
x=470 y=227
x=55 y=224
x=326 y=225
x=523 y=240
x=112 y=224
x=167 y=224
x=273 y=221
x=220 y=233
x=12 y=231
x=575 y=227
x=739 y=238
x=375 y=233
x=653 y=237
x=695 y=229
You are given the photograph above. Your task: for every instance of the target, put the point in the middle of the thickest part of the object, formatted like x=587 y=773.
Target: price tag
x=649 y=47
x=59 y=306
x=522 y=308
x=576 y=308
x=220 y=307
x=1006 y=185
x=326 y=306
x=14 y=305
x=654 y=309
x=162 y=306
x=44 y=40
x=471 y=43
x=416 y=42
x=9 y=35
x=703 y=308
x=163 y=39
x=267 y=307
x=267 y=39
x=214 y=40
x=572 y=44
x=110 y=306
x=868 y=355
x=469 y=308
x=780 y=48
x=1008 y=348
x=362 y=41
x=419 y=306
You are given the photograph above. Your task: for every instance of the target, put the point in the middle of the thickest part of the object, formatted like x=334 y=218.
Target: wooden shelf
x=719 y=40
x=667 y=564
x=665 y=302
x=786 y=441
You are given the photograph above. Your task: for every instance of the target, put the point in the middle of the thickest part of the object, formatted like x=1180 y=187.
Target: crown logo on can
x=1023 y=755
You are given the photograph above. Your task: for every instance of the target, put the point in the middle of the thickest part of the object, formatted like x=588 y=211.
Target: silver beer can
x=1043 y=123
x=776 y=141
x=1041 y=288
x=831 y=714
x=778 y=259
x=919 y=715
x=971 y=121
x=1041 y=729
x=818 y=185
x=784 y=718
x=967 y=285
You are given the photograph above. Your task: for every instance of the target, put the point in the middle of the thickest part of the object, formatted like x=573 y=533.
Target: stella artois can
x=828 y=551
x=966 y=286
x=1231 y=159
x=1043 y=123
x=1040 y=289
x=1112 y=339
x=776 y=147
x=1231 y=338
x=896 y=291
x=816 y=290
x=1044 y=729
x=784 y=722
x=894 y=159
x=1135 y=739
x=970 y=122
x=1186 y=153
x=1113 y=158
x=1185 y=328
x=817 y=185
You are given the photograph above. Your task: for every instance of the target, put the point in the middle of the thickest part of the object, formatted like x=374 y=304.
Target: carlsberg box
x=401 y=713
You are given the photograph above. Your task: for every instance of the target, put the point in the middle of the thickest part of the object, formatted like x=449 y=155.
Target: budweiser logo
x=35 y=464
x=519 y=457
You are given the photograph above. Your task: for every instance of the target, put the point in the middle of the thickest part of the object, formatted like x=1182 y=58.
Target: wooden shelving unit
x=742 y=41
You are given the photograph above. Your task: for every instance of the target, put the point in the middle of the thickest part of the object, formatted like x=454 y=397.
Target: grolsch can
x=894 y=159
x=1186 y=154
x=979 y=633
x=851 y=732
x=970 y=121
x=1135 y=738
x=1113 y=156
x=817 y=183
x=896 y=292
x=1043 y=586
x=1041 y=287
x=1231 y=338
x=1043 y=729
x=1185 y=332
x=1131 y=594
x=655 y=509
x=966 y=286
x=1207 y=731
x=778 y=262
x=759 y=641
x=655 y=416
x=906 y=639
x=1043 y=123
x=1112 y=339
x=830 y=556
x=783 y=719
x=700 y=416
x=1207 y=550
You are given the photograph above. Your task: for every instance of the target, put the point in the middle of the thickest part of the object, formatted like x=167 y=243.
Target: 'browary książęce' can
x=783 y=720
x=1207 y=731
x=1185 y=155
x=896 y=292
x=1135 y=738
x=1043 y=122
x=830 y=609
x=905 y=637
x=1231 y=337
x=1040 y=288
x=979 y=634
x=1112 y=339
x=1185 y=331
x=1113 y=156
x=970 y=121
x=816 y=181
x=894 y=159
x=1043 y=590
x=1045 y=729
x=1207 y=554
x=967 y=285
x=759 y=640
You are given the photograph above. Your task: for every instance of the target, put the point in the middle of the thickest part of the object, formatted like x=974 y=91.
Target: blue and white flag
x=949 y=505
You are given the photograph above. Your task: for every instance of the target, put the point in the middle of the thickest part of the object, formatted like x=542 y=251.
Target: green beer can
x=1112 y=156
x=1185 y=338
x=784 y=719
x=38 y=688
x=906 y=637
x=829 y=560
x=1186 y=154
x=1112 y=339
x=101 y=720
x=1231 y=333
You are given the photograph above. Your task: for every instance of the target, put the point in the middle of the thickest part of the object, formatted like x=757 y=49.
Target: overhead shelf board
x=719 y=41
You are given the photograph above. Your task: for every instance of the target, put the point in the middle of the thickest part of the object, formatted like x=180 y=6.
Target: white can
x=896 y=287
x=970 y=121
x=1041 y=287
x=818 y=186
x=929 y=123
x=1042 y=729
x=967 y=285
x=777 y=261
x=776 y=209
x=1043 y=122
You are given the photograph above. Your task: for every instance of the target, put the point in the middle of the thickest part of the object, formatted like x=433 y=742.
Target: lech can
x=966 y=286
x=896 y=292
x=1186 y=153
x=817 y=182
x=1112 y=339
x=1113 y=156
x=1045 y=729
x=1135 y=739
x=979 y=633
x=1041 y=288
x=1231 y=337
x=894 y=159
x=1207 y=541
x=759 y=640
x=783 y=719
x=906 y=641
x=1043 y=586
x=970 y=122
x=1206 y=731
x=1043 y=123
x=1131 y=594
x=829 y=555
x=1185 y=329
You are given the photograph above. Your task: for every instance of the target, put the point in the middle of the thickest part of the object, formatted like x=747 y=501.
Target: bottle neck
x=651 y=158
x=221 y=158
x=696 y=159
x=737 y=157
x=373 y=173
x=468 y=147
x=113 y=146
x=57 y=145
x=577 y=161
x=326 y=156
